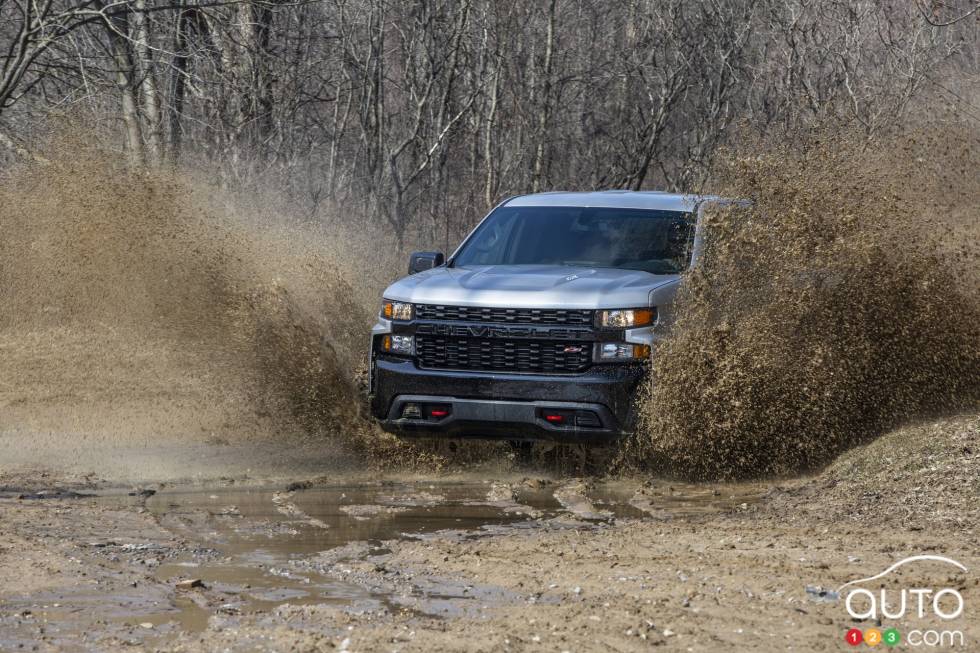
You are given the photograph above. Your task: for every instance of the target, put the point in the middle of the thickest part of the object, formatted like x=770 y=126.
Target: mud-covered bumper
x=595 y=405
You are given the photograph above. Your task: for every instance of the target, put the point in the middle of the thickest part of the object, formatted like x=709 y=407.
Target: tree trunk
x=179 y=82
x=489 y=158
x=153 y=126
x=542 y=135
x=118 y=27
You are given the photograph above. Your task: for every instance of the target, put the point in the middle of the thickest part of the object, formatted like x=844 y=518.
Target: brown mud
x=844 y=301
x=138 y=311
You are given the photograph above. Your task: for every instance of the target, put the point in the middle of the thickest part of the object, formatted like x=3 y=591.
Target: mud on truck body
x=540 y=325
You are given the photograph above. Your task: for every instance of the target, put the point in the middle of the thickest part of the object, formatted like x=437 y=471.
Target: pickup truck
x=540 y=325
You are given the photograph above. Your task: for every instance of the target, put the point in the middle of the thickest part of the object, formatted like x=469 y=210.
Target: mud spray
x=136 y=308
x=842 y=302
x=140 y=309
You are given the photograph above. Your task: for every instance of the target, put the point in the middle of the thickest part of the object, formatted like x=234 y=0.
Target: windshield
x=658 y=242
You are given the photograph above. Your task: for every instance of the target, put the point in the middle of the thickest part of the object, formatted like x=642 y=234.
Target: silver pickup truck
x=540 y=325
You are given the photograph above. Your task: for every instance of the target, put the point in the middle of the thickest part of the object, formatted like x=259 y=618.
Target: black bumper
x=505 y=406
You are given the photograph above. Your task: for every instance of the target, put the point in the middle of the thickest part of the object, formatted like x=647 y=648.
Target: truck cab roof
x=623 y=199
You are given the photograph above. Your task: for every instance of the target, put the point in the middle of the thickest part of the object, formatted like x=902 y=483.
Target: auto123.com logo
x=938 y=608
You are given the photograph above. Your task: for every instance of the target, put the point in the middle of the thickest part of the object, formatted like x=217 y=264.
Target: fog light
x=411 y=411
x=587 y=419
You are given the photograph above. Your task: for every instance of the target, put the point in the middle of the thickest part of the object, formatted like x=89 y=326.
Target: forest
x=422 y=114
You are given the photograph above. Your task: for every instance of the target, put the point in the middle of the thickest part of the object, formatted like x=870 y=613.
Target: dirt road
x=514 y=564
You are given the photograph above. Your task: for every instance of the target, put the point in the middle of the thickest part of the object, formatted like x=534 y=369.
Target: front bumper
x=504 y=406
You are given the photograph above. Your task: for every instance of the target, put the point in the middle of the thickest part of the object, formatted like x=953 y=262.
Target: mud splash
x=138 y=307
x=842 y=302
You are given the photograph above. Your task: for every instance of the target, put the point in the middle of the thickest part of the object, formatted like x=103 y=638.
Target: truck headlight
x=396 y=310
x=621 y=351
x=404 y=345
x=627 y=317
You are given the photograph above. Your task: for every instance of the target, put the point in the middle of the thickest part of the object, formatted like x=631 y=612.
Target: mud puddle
x=252 y=545
x=219 y=555
x=261 y=548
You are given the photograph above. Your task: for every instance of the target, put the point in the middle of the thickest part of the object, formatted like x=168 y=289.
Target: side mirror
x=422 y=261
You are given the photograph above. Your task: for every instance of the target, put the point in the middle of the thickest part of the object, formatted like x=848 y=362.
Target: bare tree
x=421 y=114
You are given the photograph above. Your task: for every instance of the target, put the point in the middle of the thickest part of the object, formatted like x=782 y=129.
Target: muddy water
x=253 y=550
x=254 y=542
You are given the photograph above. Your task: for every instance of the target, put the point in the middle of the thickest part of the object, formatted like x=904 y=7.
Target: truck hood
x=531 y=286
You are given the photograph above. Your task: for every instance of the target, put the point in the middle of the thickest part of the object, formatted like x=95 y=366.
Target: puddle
x=258 y=549
x=249 y=541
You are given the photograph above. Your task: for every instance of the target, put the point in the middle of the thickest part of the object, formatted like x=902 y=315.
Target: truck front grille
x=449 y=353
x=503 y=315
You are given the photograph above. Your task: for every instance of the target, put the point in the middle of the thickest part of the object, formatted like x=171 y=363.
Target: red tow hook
x=438 y=411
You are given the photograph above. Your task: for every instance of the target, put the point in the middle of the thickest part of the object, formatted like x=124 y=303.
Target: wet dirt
x=164 y=564
x=451 y=563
